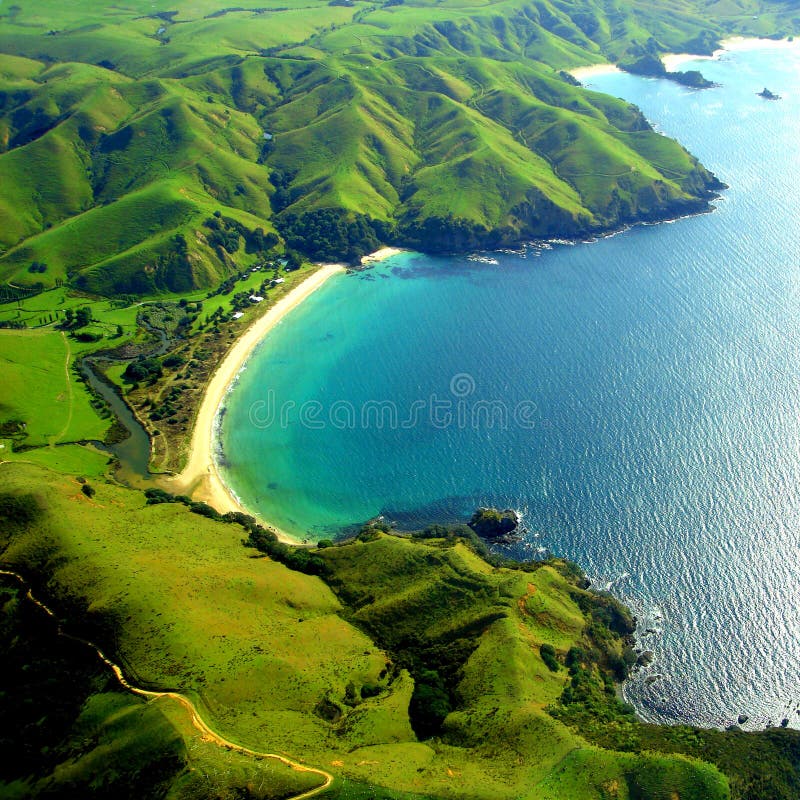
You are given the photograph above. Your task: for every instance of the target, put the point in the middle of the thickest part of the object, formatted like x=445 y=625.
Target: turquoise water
x=644 y=389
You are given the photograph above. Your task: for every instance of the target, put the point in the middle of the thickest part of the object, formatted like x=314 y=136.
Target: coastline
x=735 y=44
x=583 y=73
x=673 y=61
x=200 y=477
x=382 y=255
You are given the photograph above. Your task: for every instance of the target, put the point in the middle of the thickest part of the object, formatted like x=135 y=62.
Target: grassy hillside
x=425 y=672
x=69 y=730
x=439 y=125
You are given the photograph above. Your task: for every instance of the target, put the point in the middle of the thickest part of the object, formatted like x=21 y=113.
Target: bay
x=637 y=398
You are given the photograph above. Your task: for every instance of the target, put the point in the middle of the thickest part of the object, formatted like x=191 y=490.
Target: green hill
x=444 y=126
x=407 y=668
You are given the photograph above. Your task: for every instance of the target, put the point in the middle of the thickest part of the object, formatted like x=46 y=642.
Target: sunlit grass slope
x=40 y=397
x=451 y=123
x=69 y=730
x=277 y=662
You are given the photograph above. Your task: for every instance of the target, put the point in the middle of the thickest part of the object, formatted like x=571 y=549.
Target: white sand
x=583 y=73
x=673 y=61
x=382 y=254
x=200 y=478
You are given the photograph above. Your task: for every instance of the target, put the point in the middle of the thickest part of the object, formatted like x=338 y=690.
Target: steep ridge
x=441 y=126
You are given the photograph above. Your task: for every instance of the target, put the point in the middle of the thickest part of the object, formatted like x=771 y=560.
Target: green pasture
x=39 y=390
x=184 y=606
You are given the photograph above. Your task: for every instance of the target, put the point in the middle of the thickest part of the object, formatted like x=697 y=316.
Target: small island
x=494 y=525
x=768 y=95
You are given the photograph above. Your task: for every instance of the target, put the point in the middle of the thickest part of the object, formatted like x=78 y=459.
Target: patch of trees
x=77 y=318
x=143 y=369
x=37 y=267
x=257 y=241
x=227 y=233
x=430 y=703
x=297 y=558
x=12 y=427
x=173 y=361
x=87 y=336
x=448 y=234
x=11 y=294
x=283 y=196
x=292 y=260
x=332 y=234
x=548 y=654
x=221 y=236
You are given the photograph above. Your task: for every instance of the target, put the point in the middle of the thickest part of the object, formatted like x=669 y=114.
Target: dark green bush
x=548 y=654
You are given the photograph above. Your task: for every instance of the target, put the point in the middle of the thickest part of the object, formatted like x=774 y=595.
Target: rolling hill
x=440 y=125
x=409 y=668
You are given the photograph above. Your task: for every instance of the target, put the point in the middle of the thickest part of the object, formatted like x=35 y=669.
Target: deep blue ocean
x=637 y=398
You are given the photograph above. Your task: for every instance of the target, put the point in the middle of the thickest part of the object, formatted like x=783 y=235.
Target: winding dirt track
x=199 y=723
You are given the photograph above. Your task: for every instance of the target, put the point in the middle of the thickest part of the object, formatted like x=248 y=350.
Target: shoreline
x=200 y=478
x=582 y=73
x=734 y=44
x=381 y=255
x=673 y=61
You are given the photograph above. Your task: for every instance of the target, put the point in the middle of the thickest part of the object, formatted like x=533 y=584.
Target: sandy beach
x=382 y=255
x=200 y=478
x=674 y=61
x=584 y=73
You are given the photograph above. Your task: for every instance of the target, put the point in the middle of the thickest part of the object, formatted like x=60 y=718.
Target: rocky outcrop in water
x=494 y=525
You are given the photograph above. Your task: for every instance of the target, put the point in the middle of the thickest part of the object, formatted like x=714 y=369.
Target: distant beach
x=583 y=73
x=674 y=61
x=200 y=478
